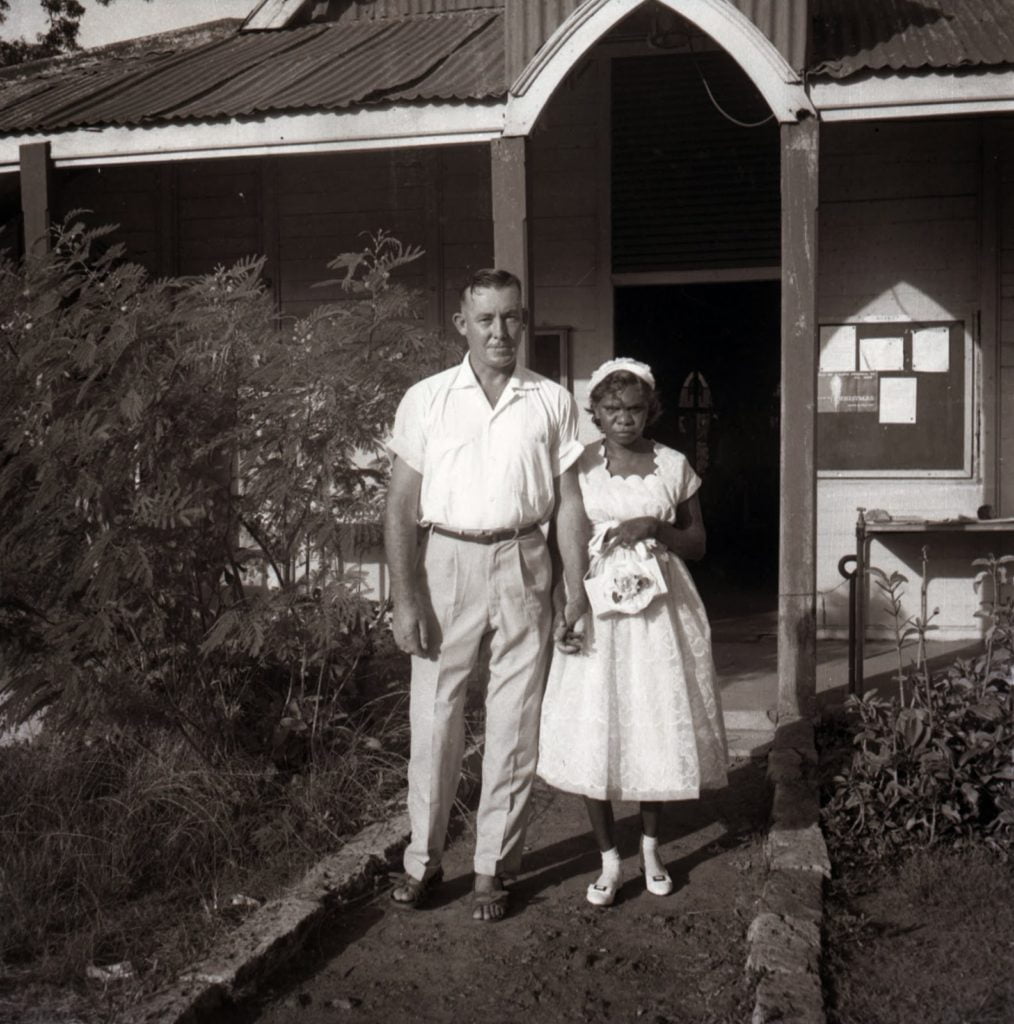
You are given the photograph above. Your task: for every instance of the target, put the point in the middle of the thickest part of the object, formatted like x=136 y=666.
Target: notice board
x=894 y=398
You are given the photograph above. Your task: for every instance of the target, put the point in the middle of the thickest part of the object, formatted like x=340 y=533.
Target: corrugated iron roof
x=851 y=36
x=317 y=67
x=342 y=10
x=215 y=71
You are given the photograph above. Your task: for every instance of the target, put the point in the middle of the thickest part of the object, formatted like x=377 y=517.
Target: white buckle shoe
x=602 y=894
x=657 y=884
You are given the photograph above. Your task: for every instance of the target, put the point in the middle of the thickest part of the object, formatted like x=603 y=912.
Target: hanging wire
x=658 y=39
x=715 y=103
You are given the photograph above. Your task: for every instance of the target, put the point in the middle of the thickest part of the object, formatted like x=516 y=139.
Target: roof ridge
x=125 y=47
x=458 y=12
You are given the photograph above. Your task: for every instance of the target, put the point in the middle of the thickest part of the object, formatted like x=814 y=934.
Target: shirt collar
x=522 y=379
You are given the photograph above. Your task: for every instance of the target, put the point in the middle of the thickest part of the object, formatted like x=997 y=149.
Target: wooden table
x=859 y=583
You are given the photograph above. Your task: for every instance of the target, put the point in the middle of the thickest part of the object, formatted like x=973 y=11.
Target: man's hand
x=629 y=532
x=408 y=622
x=409 y=627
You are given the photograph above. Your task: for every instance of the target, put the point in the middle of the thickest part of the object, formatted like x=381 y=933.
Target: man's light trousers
x=499 y=593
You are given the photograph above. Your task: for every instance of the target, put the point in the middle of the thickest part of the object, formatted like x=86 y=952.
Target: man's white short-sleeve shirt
x=486 y=468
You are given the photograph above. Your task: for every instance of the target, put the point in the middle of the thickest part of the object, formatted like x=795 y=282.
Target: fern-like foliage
x=181 y=476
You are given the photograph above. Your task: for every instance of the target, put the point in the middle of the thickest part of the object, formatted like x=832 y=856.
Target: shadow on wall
x=951 y=592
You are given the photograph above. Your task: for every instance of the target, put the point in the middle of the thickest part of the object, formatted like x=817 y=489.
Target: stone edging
x=275 y=932
x=785 y=937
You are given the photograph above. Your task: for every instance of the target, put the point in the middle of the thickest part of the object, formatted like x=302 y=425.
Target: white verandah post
x=511 y=244
x=797 y=549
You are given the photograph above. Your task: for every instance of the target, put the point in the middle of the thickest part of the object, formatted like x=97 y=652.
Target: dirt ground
x=927 y=941
x=675 y=959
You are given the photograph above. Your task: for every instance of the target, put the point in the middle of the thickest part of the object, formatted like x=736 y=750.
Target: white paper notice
x=931 y=350
x=897 y=399
x=837 y=349
x=882 y=354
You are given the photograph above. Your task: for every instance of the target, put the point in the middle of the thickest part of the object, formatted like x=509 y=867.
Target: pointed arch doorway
x=715 y=350
x=734 y=33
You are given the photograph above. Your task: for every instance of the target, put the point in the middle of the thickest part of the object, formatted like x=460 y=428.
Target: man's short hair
x=490 y=277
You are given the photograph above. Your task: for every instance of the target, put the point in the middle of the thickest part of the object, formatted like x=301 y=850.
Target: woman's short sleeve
x=678 y=475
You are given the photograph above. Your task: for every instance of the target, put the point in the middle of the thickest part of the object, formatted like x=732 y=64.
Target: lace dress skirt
x=635 y=715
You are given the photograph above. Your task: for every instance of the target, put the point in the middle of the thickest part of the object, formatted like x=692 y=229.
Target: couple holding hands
x=502 y=530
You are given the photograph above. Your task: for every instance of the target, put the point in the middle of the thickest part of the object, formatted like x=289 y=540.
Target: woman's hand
x=568 y=627
x=629 y=532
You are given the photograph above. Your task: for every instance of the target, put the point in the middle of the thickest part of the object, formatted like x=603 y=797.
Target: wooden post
x=168 y=228
x=270 y=237
x=433 y=239
x=36 y=188
x=509 y=180
x=995 y=492
x=797 y=550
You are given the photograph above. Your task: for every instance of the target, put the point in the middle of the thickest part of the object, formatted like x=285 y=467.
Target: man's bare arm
x=401 y=547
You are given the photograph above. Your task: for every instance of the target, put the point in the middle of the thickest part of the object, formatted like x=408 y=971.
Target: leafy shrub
x=181 y=477
x=936 y=765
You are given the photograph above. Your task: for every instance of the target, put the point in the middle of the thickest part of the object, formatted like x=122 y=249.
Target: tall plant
x=180 y=477
x=936 y=763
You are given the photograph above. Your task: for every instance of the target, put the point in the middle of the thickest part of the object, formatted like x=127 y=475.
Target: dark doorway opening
x=715 y=350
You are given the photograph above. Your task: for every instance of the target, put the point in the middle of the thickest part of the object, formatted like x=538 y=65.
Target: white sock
x=611 y=869
x=649 y=851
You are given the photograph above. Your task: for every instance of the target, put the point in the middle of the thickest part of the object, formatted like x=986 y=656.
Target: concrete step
x=749 y=733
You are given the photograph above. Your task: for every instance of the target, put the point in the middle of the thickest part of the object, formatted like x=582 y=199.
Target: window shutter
x=691 y=189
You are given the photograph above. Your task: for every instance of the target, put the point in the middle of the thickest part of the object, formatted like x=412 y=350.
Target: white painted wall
x=1005 y=283
x=569 y=161
x=900 y=228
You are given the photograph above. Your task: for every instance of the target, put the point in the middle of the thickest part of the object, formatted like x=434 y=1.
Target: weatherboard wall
x=902 y=212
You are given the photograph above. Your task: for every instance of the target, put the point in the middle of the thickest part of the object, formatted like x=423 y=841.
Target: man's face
x=491 y=320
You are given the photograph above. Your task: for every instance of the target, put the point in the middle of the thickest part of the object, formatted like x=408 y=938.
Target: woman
x=635 y=714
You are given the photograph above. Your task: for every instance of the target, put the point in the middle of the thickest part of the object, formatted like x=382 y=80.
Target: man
x=483 y=460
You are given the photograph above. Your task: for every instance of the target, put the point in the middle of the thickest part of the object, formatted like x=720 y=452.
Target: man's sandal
x=490 y=906
x=415 y=890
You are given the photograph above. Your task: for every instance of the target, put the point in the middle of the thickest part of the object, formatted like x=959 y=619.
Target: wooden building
x=799 y=211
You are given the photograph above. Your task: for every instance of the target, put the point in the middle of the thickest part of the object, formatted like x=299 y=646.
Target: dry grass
x=927 y=941
x=132 y=849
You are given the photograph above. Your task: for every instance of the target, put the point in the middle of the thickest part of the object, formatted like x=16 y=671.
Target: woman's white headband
x=638 y=369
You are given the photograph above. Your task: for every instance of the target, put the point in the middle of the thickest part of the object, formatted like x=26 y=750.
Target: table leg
x=862 y=599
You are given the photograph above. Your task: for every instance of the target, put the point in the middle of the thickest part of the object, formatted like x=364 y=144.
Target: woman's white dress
x=635 y=715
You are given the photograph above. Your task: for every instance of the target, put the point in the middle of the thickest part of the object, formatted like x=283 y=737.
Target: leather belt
x=485 y=536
